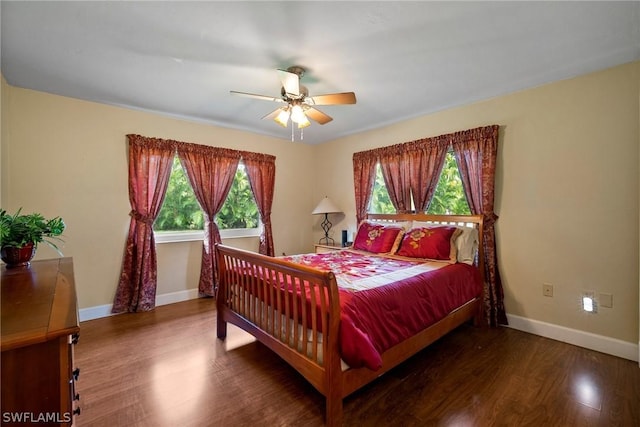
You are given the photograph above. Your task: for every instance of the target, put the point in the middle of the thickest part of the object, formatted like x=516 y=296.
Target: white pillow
x=466 y=242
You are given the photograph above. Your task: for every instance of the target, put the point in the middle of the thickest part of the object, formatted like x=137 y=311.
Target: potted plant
x=21 y=234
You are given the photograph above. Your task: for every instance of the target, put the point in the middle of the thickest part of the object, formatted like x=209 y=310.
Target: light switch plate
x=606 y=300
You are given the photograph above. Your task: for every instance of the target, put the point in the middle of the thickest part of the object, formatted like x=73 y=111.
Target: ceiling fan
x=299 y=105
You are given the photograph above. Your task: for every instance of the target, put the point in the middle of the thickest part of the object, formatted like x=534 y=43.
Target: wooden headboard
x=475 y=221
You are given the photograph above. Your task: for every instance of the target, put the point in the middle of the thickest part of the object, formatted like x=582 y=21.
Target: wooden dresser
x=39 y=328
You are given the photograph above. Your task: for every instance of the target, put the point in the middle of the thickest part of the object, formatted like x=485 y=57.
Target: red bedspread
x=386 y=300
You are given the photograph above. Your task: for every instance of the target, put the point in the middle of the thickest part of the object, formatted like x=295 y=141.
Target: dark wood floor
x=167 y=368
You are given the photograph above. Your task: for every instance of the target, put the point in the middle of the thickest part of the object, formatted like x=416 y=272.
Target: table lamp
x=326 y=206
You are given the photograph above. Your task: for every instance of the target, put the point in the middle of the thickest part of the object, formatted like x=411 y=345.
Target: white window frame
x=195 y=235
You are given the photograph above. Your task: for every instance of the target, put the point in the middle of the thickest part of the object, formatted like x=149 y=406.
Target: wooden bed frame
x=311 y=346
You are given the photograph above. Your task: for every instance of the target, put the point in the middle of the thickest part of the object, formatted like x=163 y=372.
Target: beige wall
x=69 y=158
x=567 y=189
x=566 y=193
x=4 y=138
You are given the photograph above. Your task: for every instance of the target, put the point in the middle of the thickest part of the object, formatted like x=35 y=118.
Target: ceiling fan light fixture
x=298 y=105
x=297 y=114
x=304 y=123
x=283 y=117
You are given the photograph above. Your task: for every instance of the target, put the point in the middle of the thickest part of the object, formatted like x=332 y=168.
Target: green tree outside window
x=181 y=210
x=380 y=201
x=240 y=209
x=449 y=196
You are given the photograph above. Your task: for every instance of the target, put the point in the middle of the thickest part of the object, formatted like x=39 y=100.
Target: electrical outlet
x=606 y=300
x=547 y=290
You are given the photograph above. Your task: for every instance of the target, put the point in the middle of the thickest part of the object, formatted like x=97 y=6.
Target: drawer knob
x=76 y=411
x=76 y=373
x=76 y=396
x=74 y=338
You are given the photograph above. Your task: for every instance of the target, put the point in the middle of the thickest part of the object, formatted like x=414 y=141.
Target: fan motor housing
x=304 y=92
x=295 y=69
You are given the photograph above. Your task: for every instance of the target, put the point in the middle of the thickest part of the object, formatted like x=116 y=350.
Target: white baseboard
x=179 y=296
x=96 y=312
x=600 y=343
x=99 y=311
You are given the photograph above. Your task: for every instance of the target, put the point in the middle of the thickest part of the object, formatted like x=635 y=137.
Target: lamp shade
x=326 y=206
x=297 y=115
x=304 y=123
x=282 y=118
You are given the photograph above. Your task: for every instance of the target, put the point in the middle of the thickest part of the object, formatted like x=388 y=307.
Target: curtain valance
x=191 y=147
x=404 y=147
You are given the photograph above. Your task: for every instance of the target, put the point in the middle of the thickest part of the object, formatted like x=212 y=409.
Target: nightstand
x=320 y=249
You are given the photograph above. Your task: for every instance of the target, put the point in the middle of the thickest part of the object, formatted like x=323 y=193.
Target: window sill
x=197 y=235
x=178 y=236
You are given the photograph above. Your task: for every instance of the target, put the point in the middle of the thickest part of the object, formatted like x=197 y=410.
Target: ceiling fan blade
x=290 y=82
x=253 y=95
x=333 y=99
x=272 y=115
x=317 y=115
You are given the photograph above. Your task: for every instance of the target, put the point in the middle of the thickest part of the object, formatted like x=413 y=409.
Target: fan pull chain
x=302 y=134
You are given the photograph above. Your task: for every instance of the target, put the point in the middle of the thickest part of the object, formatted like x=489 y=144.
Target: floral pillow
x=466 y=243
x=377 y=238
x=435 y=243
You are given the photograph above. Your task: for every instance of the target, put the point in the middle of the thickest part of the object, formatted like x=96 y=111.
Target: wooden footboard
x=260 y=295
x=295 y=311
x=292 y=309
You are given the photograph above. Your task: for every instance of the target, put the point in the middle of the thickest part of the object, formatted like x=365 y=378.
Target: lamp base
x=326 y=226
x=327 y=241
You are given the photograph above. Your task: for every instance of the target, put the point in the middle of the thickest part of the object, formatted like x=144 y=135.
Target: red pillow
x=376 y=238
x=430 y=243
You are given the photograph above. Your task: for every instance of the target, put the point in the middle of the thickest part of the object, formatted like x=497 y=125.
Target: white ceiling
x=402 y=59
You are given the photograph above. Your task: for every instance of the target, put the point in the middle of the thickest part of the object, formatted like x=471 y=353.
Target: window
x=180 y=210
x=448 y=198
x=239 y=215
x=380 y=202
x=181 y=219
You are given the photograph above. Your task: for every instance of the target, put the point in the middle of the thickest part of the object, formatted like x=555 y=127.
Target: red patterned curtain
x=410 y=170
x=364 y=175
x=476 y=152
x=150 y=162
x=395 y=171
x=261 y=170
x=424 y=160
x=210 y=171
